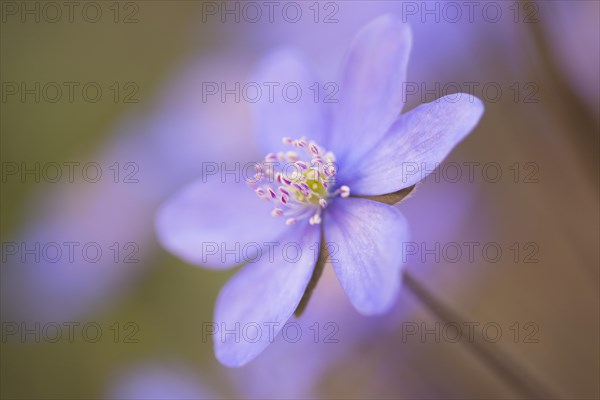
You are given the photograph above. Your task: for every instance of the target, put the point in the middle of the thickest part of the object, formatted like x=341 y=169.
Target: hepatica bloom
x=324 y=190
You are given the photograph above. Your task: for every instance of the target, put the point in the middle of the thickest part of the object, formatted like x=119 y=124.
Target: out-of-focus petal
x=78 y=255
x=573 y=35
x=371 y=88
x=260 y=298
x=367 y=239
x=287 y=106
x=218 y=223
x=157 y=381
x=415 y=145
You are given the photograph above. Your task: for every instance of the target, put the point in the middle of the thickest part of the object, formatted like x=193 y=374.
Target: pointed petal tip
x=372 y=310
x=390 y=19
x=371 y=93
x=369 y=236
x=228 y=359
x=256 y=303
x=424 y=136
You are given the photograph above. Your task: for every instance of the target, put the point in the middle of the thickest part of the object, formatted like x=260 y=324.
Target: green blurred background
x=103 y=52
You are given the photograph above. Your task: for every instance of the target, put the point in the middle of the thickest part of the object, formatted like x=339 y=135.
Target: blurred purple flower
x=157 y=380
x=573 y=34
x=167 y=144
x=370 y=148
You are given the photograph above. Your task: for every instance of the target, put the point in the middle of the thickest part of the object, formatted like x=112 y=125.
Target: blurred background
x=103 y=117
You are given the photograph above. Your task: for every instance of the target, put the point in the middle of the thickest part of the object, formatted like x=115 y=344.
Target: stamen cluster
x=298 y=181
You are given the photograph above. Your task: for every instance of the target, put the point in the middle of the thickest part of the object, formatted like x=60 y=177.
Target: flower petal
x=287 y=106
x=366 y=241
x=260 y=298
x=371 y=88
x=217 y=223
x=415 y=145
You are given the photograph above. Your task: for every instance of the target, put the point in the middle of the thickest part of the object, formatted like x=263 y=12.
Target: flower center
x=300 y=182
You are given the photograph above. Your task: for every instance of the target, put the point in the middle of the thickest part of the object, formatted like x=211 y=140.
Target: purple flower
x=329 y=171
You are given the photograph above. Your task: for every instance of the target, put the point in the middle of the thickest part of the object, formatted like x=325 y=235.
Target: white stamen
x=292 y=156
x=315 y=219
x=344 y=191
x=290 y=221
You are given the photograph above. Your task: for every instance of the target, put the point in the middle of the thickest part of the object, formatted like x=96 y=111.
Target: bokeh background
x=533 y=194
